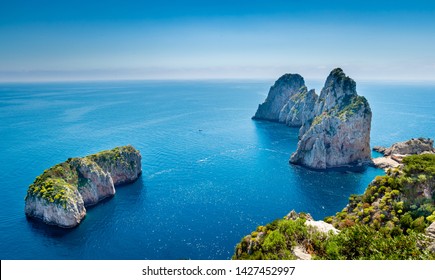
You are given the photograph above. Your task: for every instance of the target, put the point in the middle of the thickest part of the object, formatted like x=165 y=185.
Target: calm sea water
x=210 y=174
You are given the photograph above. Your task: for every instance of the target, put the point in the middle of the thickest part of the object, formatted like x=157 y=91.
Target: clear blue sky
x=114 y=39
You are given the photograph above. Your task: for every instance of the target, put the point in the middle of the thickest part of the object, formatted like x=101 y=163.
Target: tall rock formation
x=335 y=126
x=60 y=194
x=339 y=135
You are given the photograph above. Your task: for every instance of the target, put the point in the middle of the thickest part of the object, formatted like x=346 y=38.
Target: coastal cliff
x=334 y=126
x=60 y=194
x=394 y=219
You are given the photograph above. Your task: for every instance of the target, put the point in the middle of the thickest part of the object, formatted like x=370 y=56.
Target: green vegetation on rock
x=352 y=106
x=386 y=222
x=106 y=159
x=402 y=200
x=57 y=183
x=361 y=242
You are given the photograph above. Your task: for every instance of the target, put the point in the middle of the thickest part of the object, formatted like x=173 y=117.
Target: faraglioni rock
x=339 y=134
x=60 y=194
x=334 y=127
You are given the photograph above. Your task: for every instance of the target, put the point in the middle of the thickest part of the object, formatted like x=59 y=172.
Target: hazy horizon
x=192 y=40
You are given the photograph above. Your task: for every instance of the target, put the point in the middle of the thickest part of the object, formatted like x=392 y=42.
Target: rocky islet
x=59 y=195
x=334 y=126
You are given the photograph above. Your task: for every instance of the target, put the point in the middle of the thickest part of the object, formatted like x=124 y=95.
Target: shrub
x=418 y=224
x=406 y=221
x=274 y=241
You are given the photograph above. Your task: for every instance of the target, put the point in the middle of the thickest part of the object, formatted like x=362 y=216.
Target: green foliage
x=352 y=105
x=431 y=218
x=406 y=221
x=396 y=198
x=107 y=160
x=418 y=225
x=362 y=242
x=420 y=164
x=55 y=184
x=274 y=241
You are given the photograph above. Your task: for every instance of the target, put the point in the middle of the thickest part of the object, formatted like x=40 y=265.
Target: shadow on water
x=135 y=190
x=272 y=133
x=39 y=227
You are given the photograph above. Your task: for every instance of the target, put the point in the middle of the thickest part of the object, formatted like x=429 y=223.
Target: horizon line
x=203 y=79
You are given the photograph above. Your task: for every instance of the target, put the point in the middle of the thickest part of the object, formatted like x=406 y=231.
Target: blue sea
x=210 y=174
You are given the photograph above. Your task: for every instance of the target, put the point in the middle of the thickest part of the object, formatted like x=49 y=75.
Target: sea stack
x=339 y=134
x=280 y=93
x=335 y=126
x=59 y=195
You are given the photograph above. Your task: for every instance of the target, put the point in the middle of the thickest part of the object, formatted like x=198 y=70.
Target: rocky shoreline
x=393 y=156
x=59 y=195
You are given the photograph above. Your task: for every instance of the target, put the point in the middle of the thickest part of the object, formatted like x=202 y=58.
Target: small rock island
x=334 y=126
x=60 y=194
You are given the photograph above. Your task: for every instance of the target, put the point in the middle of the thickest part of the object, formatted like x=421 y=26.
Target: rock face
x=430 y=233
x=339 y=134
x=393 y=155
x=414 y=146
x=335 y=126
x=279 y=95
x=385 y=162
x=298 y=109
x=60 y=194
x=64 y=215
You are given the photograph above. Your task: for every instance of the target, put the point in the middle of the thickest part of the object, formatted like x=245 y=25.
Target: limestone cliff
x=60 y=194
x=339 y=135
x=299 y=108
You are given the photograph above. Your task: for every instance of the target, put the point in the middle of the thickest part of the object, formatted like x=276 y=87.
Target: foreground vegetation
x=387 y=222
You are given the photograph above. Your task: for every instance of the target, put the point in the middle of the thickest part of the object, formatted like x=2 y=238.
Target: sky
x=48 y=40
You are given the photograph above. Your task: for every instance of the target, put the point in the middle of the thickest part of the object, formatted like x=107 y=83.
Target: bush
x=406 y=221
x=274 y=241
x=418 y=225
